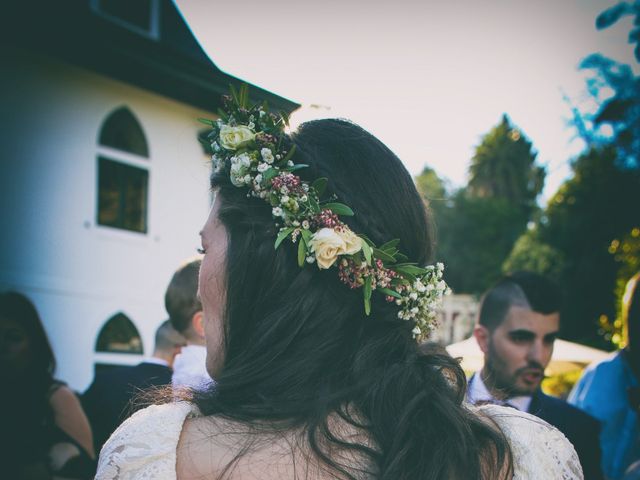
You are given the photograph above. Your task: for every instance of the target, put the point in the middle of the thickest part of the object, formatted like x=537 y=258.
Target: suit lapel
x=537 y=401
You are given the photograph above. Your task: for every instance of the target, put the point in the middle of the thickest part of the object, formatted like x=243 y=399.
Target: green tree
x=478 y=225
x=590 y=210
x=530 y=253
x=503 y=166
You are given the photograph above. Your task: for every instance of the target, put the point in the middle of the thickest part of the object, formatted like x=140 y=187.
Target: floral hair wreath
x=247 y=141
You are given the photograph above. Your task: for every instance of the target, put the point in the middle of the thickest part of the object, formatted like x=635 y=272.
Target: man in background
x=110 y=399
x=518 y=323
x=610 y=391
x=185 y=312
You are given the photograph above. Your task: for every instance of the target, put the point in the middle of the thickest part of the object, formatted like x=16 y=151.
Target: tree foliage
x=478 y=225
x=503 y=166
x=592 y=209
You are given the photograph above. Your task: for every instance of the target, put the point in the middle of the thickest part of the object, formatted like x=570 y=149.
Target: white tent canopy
x=567 y=356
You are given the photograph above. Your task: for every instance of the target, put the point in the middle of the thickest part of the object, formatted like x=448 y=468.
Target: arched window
x=123 y=175
x=123 y=132
x=119 y=335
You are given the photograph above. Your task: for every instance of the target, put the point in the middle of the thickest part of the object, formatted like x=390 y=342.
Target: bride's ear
x=197 y=322
x=482 y=335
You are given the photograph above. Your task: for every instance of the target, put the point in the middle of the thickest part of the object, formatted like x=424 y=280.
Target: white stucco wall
x=77 y=273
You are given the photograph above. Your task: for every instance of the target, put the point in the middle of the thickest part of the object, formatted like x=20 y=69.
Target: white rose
x=232 y=138
x=353 y=243
x=267 y=155
x=327 y=245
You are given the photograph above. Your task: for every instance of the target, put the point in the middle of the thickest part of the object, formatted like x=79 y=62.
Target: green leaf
x=385 y=257
x=390 y=245
x=313 y=204
x=306 y=235
x=319 y=185
x=366 y=250
x=368 y=240
x=410 y=269
x=401 y=257
x=339 y=209
x=244 y=95
x=282 y=235
x=367 y=295
x=390 y=292
x=206 y=121
x=269 y=174
x=302 y=250
x=289 y=155
x=234 y=94
x=297 y=166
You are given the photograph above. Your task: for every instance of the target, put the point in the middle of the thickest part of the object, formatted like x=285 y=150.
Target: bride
x=313 y=343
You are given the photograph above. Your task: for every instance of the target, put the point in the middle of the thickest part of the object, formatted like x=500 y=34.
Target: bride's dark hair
x=300 y=351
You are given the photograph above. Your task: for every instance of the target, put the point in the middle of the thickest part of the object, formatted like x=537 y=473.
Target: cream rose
x=327 y=244
x=233 y=138
x=353 y=243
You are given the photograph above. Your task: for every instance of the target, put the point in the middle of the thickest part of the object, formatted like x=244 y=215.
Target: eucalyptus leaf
x=390 y=292
x=339 y=209
x=366 y=250
x=282 y=235
x=302 y=250
x=401 y=257
x=289 y=155
x=269 y=174
x=319 y=185
x=306 y=235
x=313 y=204
x=386 y=258
x=368 y=240
x=410 y=269
x=297 y=166
x=391 y=244
x=367 y=295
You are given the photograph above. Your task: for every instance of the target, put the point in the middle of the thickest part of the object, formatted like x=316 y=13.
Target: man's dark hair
x=181 y=299
x=520 y=289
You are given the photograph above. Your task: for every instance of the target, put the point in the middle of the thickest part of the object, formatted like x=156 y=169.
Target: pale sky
x=428 y=78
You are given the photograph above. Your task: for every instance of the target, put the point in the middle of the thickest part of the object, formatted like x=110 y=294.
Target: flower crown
x=248 y=142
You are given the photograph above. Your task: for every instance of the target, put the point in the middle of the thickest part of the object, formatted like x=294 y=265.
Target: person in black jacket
x=109 y=399
x=518 y=323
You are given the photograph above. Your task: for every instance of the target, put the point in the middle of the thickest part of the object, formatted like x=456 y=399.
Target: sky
x=429 y=78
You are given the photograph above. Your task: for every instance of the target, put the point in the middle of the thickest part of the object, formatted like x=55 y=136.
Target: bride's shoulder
x=539 y=450
x=145 y=444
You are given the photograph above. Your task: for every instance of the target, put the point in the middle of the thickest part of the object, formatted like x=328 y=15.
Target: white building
x=103 y=184
x=456 y=319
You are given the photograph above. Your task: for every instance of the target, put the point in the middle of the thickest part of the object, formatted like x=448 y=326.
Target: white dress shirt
x=479 y=393
x=190 y=368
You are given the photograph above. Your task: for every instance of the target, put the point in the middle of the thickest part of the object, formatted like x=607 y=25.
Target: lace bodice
x=539 y=450
x=144 y=446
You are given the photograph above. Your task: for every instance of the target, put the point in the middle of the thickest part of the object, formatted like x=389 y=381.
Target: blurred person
x=109 y=400
x=518 y=322
x=311 y=381
x=609 y=390
x=43 y=429
x=185 y=313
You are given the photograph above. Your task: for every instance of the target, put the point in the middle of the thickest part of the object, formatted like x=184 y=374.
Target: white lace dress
x=144 y=446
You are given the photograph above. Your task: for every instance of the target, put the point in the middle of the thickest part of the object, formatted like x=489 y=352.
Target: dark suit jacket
x=580 y=428
x=108 y=401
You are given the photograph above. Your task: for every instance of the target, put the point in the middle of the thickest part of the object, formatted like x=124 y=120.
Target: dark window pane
x=133 y=12
x=122 y=195
x=119 y=335
x=122 y=131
